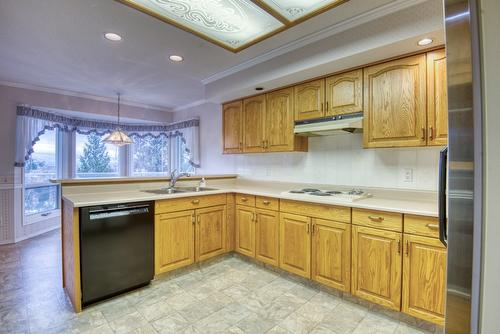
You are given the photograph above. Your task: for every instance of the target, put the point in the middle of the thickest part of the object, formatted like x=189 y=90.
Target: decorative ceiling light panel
x=232 y=24
x=293 y=10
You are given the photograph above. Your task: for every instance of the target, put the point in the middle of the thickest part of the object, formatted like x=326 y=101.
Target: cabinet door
x=210 y=232
x=309 y=100
x=245 y=230
x=267 y=236
x=437 y=98
x=295 y=244
x=424 y=278
x=395 y=103
x=331 y=254
x=279 y=121
x=376 y=266
x=174 y=240
x=344 y=93
x=254 y=110
x=232 y=124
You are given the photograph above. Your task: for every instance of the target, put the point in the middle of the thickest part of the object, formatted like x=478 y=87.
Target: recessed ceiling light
x=111 y=36
x=425 y=41
x=176 y=58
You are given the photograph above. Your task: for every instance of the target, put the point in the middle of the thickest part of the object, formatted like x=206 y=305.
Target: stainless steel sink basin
x=177 y=190
x=195 y=189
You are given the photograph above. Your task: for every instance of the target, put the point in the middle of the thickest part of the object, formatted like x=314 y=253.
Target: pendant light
x=118 y=137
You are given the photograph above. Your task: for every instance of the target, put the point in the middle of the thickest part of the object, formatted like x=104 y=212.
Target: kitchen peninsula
x=326 y=239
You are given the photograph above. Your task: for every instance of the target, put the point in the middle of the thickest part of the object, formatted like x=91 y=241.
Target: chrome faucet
x=174 y=178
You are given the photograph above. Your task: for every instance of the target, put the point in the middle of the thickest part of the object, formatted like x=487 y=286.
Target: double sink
x=178 y=190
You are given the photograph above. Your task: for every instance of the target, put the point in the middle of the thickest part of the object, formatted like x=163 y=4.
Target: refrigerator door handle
x=443 y=159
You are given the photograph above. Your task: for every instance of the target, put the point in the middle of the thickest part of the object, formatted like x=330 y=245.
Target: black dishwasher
x=116 y=249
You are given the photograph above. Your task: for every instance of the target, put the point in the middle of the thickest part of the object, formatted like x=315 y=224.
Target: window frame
x=28 y=219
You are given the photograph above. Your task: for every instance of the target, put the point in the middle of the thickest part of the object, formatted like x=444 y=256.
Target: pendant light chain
x=119 y=95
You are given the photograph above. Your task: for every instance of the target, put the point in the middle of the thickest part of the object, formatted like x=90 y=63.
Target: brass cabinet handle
x=399 y=246
x=193 y=219
x=407 y=248
x=267 y=144
x=195 y=201
x=433 y=226
x=263 y=144
x=256 y=217
x=376 y=218
x=266 y=202
x=240 y=146
x=431 y=133
x=244 y=199
x=327 y=106
x=423 y=133
x=313 y=229
x=307 y=228
x=322 y=109
x=199 y=219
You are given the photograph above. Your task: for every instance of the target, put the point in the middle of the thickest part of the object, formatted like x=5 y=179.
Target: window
x=41 y=196
x=94 y=158
x=150 y=156
x=183 y=157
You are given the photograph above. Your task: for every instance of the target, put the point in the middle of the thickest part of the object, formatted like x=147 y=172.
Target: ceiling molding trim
x=366 y=17
x=190 y=105
x=82 y=95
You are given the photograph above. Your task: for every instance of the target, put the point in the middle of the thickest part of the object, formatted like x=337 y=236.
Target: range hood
x=332 y=125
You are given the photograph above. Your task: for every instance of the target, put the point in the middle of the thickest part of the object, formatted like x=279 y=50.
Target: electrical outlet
x=408 y=175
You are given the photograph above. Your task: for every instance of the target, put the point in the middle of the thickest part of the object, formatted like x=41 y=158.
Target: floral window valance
x=33 y=122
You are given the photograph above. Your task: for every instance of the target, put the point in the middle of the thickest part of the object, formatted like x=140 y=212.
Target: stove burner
x=334 y=192
x=311 y=190
x=297 y=192
x=319 y=193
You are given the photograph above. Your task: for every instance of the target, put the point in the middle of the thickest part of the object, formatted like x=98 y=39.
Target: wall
x=339 y=160
x=11 y=227
x=490 y=322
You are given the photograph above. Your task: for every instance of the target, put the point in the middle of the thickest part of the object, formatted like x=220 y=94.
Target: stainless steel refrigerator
x=460 y=185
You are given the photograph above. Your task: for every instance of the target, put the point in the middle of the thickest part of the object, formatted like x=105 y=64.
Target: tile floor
x=229 y=296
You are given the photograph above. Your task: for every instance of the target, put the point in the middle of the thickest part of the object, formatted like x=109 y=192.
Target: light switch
x=408 y=175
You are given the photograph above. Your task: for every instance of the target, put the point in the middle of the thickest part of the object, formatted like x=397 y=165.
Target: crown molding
x=82 y=95
x=190 y=105
x=350 y=23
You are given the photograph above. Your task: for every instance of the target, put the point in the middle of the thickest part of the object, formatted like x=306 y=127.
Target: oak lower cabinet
x=210 y=232
x=174 y=240
x=295 y=244
x=245 y=230
x=187 y=236
x=267 y=228
x=377 y=266
x=424 y=278
x=331 y=254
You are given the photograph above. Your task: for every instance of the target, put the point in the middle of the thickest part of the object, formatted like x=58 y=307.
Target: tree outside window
x=95 y=158
x=150 y=156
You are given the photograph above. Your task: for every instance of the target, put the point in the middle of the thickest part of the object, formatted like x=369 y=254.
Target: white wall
x=490 y=321
x=337 y=160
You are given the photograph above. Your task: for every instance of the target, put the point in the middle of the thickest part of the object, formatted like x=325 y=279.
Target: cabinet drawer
x=189 y=203
x=243 y=199
x=378 y=219
x=421 y=225
x=337 y=213
x=267 y=203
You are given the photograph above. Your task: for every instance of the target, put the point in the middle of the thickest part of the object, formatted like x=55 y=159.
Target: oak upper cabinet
x=295 y=244
x=245 y=230
x=279 y=123
x=344 y=93
x=174 y=240
x=232 y=124
x=424 y=278
x=376 y=266
x=331 y=254
x=266 y=236
x=437 y=98
x=395 y=103
x=210 y=232
x=254 y=110
x=309 y=100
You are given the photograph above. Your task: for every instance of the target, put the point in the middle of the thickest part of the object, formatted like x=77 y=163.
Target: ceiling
x=59 y=44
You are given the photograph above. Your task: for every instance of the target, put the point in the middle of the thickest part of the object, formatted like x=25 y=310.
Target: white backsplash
x=341 y=160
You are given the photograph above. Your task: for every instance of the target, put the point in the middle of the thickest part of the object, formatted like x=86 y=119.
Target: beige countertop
x=403 y=201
